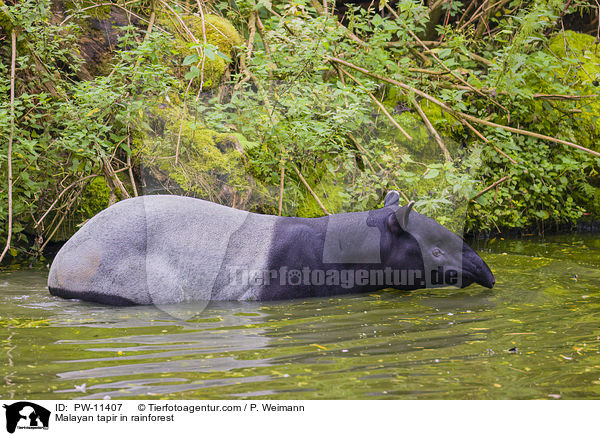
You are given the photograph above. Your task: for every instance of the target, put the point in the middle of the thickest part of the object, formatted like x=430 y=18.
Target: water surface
x=536 y=335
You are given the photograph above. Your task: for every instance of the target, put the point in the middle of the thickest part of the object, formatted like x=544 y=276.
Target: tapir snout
x=475 y=270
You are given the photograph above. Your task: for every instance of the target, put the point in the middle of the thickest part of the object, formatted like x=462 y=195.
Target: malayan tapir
x=162 y=249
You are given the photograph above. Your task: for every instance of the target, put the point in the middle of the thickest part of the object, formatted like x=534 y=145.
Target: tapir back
x=160 y=249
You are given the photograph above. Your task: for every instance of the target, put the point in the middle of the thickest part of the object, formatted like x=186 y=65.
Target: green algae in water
x=536 y=335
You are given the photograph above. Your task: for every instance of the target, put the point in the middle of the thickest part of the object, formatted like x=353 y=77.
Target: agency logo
x=26 y=415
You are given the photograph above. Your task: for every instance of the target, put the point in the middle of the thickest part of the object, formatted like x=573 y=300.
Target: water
x=536 y=335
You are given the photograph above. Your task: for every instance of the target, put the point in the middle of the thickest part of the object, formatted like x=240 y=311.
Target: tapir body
x=163 y=249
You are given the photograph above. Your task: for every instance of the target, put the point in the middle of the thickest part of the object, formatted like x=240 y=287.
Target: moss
x=210 y=165
x=220 y=33
x=582 y=47
x=94 y=198
x=585 y=53
x=423 y=147
x=329 y=190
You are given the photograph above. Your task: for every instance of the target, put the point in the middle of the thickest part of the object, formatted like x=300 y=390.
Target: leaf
x=125 y=147
x=193 y=73
x=190 y=59
x=209 y=53
x=431 y=174
x=92 y=112
x=223 y=56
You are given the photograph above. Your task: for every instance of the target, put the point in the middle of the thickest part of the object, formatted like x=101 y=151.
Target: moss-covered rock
x=207 y=164
x=582 y=69
x=584 y=48
x=219 y=33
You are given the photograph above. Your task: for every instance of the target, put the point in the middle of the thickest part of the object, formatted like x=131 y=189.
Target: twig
x=150 y=24
x=62 y=218
x=492 y=186
x=130 y=171
x=438 y=60
x=252 y=29
x=281 y=183
x=37 y=224
x=378 y=103
x=13 y=58
x=459 y=114
x=478 y=133
x=483 y=19
x=431 y=129
x=182 y=120
x=467 y=10
x=481 y=59
x=363 y=151
x=263 y=34
x=563 y=97
x=446 y=20
x=112 y=175
x=305 y=183
x=425 y=71
x=411 y=44
x=203 y=50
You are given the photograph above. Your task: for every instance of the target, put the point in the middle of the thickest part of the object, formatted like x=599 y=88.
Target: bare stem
x=13 y=58
x=380 y=105
x=305 y=183
x=492 y=186
x=431 y=129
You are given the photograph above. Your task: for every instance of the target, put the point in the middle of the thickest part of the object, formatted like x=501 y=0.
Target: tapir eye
x=437 y=252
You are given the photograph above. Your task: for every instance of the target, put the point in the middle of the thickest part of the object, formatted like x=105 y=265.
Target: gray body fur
x=163 y=249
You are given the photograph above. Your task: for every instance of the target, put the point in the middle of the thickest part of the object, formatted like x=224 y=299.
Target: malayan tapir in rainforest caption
x=163 y=249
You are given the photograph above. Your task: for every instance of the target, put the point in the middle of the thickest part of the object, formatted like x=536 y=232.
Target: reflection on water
x=535 y=335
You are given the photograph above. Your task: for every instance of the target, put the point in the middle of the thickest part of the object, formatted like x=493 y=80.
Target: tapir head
x=446 y=258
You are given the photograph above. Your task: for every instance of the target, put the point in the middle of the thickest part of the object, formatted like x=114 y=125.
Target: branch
x=492 y=186
x=478 y=133
x=431 y=129
x=112 y=175
x=438 y=60
x=309 y=189
x=37 y=224
x=281 y=184
x=563 y=97
x=459 y=114
x=378 y=103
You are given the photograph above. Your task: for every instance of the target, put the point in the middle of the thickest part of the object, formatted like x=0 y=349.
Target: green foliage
x=65 y=127
x=282 y=103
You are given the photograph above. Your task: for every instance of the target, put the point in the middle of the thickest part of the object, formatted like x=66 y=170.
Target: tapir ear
x=393 y=225
x=398 y=222
x=403 y=215
x=391 y=199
